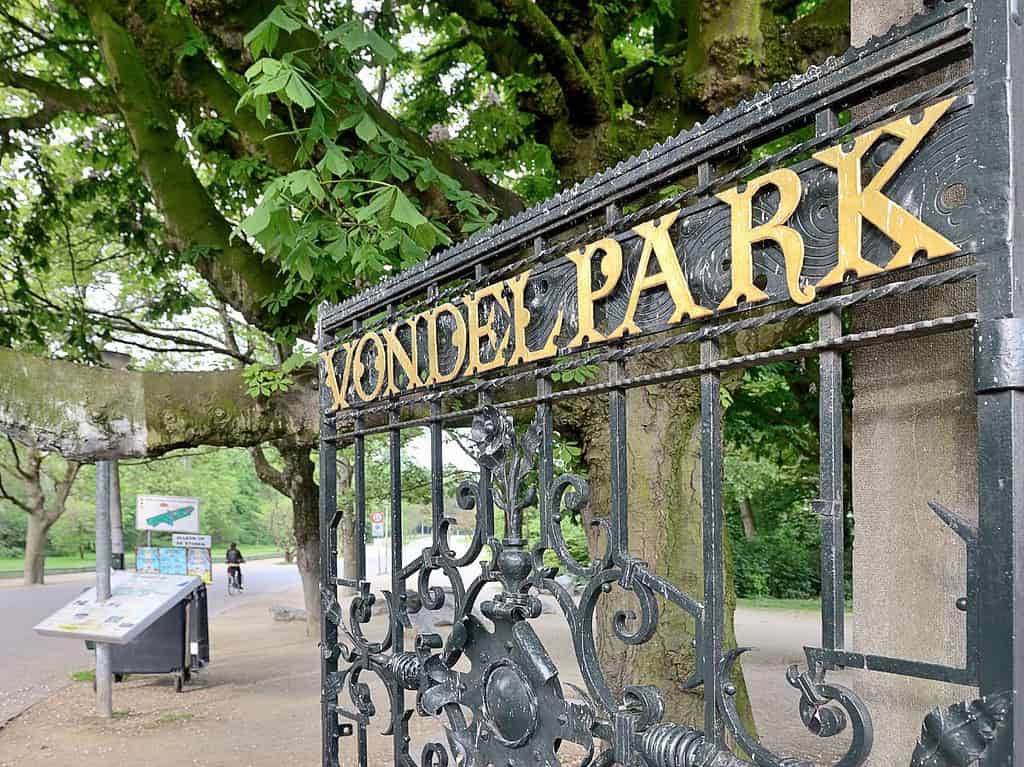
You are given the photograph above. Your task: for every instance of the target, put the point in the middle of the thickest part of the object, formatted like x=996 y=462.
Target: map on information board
x=167 y=514
x=136 y=601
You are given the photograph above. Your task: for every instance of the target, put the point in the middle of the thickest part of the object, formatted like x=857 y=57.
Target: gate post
x=1000 y=363
x=328 y=564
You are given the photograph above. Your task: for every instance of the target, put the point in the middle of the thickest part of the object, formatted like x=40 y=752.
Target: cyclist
x=234 y=558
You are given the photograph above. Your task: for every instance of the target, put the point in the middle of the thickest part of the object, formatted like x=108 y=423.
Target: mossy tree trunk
x=35 y=548
x=665 y=530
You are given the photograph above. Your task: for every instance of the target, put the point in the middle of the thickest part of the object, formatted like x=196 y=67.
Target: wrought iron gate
x=691 y=243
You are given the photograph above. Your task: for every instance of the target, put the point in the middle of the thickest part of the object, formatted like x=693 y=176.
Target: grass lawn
x=17 y=564
x=773 y=603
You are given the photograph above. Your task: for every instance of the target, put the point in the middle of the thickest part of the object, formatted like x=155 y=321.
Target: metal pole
x=104 y=694
x=116 y=527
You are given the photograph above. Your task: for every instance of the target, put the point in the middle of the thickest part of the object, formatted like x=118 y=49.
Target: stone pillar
x=914 y=440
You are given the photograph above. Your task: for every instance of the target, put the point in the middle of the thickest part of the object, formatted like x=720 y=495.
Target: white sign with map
x=167 y=514
x=136 y=601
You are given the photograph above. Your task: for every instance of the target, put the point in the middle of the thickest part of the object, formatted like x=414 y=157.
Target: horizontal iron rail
x=833 y=303
x=901 y=666
x=795 y=351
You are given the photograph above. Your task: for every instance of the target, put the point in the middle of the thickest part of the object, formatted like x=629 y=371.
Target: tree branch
x=57 y=97
x=89 y=413
x=267 y=474
x=62 y=489
x=236 y=273
x=585 y=101
x=226 y=22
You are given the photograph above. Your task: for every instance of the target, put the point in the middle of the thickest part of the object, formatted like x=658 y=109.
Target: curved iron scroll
x=510 y=708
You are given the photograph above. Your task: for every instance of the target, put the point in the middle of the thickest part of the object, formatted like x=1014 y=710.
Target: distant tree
x=38 y=483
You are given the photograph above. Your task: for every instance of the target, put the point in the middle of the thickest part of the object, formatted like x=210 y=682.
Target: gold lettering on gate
x=586 y=295
x=359 y=368
x=477 y=332
x=406 y=360
x=521 y=318
x=857 y=202
x=658 y=242
x=458 y=340
x=471 y=333
x=331 y=376
x=745 y=235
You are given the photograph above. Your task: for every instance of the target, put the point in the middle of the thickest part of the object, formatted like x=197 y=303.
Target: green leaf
x=367 y=129
x=279 y=17
x=256 y=221
x=335 y=161
x=299 y=93
x=405 y=212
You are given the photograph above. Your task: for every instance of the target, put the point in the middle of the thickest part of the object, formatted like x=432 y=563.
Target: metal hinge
x=999 y=354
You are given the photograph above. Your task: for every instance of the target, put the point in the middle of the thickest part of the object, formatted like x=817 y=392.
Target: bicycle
x=234 y=579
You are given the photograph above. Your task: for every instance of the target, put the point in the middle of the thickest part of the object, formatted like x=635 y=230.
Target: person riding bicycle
x=234 y=558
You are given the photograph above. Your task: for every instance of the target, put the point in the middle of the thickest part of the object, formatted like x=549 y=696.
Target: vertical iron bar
x=617 y=435
x=714 y=542
x=328 y=563
x=398 y=607
x=436 y=459
x=546 y=459
x=714 y=553
x=359 y=498
x=436 y=472
x=485 y=497
x=999 y=108
x=359 y=488
x=830 y=456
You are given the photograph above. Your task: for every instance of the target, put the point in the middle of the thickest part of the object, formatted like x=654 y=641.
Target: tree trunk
x=747 y=515
x=665 y=531
x=298 y=473
x=35 y=548
x=348 y=536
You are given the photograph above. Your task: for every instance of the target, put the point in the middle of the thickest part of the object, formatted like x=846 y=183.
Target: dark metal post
x=328 y=564
x=999 y=360
x=830 y=452
x=617 y=446
x=546 y=458
x=714 y=551
x=398 y=606
x=485 y=497
x=104 y=681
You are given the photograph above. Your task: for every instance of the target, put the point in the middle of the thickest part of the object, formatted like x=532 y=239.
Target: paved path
x=34 y=665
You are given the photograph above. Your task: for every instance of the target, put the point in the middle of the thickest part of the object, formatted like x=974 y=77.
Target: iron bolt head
x=606 y=587
x=729 y=689
x=961 y=604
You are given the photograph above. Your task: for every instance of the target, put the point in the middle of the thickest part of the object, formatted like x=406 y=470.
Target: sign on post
x=190 y=541
x=167 y=514
x=377 y=522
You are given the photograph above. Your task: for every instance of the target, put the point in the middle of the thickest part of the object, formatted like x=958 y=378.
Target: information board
x=167 y=514
x=147 y=559
x=173 y=561
x=200 y=563
x=136 y=601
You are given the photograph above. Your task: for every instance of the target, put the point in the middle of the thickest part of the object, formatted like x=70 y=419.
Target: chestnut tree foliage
x=187 y=179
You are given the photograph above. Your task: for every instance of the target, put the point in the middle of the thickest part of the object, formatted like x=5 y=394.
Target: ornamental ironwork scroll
x=690 y=243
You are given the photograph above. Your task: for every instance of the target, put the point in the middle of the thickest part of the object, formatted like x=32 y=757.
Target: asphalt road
x=35 y=665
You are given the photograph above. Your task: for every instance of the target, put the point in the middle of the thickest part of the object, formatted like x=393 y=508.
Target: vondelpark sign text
x=644 y=280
